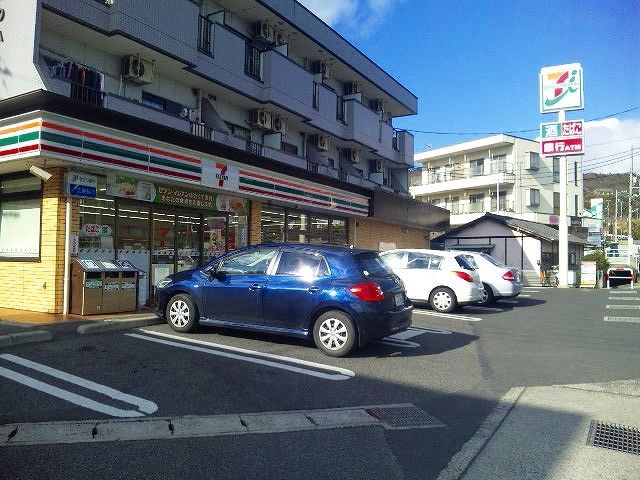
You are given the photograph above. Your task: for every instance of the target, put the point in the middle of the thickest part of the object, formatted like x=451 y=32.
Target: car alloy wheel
x=487 y=295
x=443 y=300
x=334 y=334
x=181 y=313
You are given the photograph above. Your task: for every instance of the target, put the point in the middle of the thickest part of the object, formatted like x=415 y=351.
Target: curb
x=120 y=324
x=461 y=461
x=25 y=337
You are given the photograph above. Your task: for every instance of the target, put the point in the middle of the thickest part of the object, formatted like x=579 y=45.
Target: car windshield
x=492 y=260
x=472 y=261
x=371 y=265
x=464 y=262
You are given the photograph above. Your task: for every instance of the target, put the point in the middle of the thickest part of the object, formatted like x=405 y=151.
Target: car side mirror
x=220 y=275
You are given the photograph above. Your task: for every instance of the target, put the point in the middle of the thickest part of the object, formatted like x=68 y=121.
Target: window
x=302 y=265
x=154 y=101
x=272 y=224
x=252 y=61
x=556 y=170
x=20 y=205
x=394 y=260
x=289 y=148
x=476 y=203
x=576 y=205
x=253 y=262
x=418 y=261
x=532 y=161
x=533 y=199
x=575 y=173
x=316 y=95
x=556 y=203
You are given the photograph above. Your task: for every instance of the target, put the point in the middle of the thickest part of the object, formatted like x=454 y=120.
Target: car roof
x=315 y=247
x=446 y=253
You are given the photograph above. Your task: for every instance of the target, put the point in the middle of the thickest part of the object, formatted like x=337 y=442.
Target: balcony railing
x=201 y=130
x=477 y=207
x=424 y=176
x=205 y=35
x=252 y=61
x=87 y=94
x=312 y=166
x=254 y=148
x=505 y=206
x=342 y=175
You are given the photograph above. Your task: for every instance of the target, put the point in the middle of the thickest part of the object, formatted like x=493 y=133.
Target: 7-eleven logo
x=221 y=173
x=561 y=88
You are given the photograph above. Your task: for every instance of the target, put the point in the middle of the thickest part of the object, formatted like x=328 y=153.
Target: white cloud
x=361 y=18
x=608 y=145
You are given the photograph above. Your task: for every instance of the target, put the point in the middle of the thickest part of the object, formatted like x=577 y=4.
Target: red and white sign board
x=562 y=146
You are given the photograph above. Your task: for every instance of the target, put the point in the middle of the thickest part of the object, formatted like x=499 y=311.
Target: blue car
x=340 y=297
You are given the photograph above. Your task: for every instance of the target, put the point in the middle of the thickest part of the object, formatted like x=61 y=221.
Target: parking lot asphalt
x=542 y=428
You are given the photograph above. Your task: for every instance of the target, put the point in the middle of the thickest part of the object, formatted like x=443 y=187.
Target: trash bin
x=128 y=286
x=86 y=287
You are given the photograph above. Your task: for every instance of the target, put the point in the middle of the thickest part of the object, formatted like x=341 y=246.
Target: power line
x=515 y=131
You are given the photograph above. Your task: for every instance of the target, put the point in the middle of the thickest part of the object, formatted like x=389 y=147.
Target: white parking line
x=451 y=316
x=144 y=406
x=215 y=349
x=524 y=296
x=623 y=307
x=400 y=339
x=622 y=319
x=626 y=299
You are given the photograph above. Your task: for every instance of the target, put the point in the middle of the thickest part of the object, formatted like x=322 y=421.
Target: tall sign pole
x=561 y=89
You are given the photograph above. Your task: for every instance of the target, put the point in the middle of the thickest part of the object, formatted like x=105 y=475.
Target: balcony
x=426 y=181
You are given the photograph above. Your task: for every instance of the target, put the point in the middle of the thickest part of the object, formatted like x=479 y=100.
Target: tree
x=602 y=262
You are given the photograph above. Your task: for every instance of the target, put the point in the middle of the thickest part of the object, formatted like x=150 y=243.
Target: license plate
x=398 y=299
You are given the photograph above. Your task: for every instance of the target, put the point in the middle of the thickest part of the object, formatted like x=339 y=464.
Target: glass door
x=215 y=237
x=133 y=243
x=188 y=240
x=164 y=244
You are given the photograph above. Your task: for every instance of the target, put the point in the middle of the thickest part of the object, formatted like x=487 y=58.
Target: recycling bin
x=87 y=280
x=128 y=286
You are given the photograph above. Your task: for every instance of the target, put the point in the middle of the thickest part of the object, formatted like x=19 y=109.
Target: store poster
x=135 y=189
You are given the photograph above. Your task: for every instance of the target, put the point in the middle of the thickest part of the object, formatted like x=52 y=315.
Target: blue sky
x=474 y=65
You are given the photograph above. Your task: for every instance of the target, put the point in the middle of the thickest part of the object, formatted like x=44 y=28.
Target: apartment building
x=167 y=132
x=499 y=174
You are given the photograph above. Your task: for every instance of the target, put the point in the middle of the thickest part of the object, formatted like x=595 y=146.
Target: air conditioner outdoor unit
x=321 y=67
x=351 y=88
x=375 y=166
x=279 y=38
x=354 y=156
x=377 y=105
x=137 y=70
x=279 y=124
x=260 y=119
x=321 y=141
x=263 y=31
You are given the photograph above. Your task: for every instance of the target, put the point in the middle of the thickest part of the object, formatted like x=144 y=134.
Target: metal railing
x=252 y=61
x=312 y=166
x=87 y=94
x=477 y=207
x=254 y=148
x=201 y=130
x=205 y=35
x=342 y=175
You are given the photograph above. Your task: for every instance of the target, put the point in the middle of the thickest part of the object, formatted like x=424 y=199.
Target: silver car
x=498 y=280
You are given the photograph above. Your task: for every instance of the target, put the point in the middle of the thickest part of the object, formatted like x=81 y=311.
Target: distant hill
x=604 y=185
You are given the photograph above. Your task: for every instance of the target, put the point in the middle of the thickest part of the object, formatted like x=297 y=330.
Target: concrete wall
x=369 y=233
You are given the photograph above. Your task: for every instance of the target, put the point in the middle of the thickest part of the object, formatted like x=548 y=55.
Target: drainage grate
x=614 y=437
x=404 y=417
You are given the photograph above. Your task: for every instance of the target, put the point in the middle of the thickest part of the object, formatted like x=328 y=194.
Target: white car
x=498 y=280
x=443 y=279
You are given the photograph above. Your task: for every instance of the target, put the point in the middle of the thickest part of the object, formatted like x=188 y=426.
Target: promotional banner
x=135 y=189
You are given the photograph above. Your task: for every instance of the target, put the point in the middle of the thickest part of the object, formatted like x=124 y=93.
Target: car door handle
x=313 y=289
x=255 y=287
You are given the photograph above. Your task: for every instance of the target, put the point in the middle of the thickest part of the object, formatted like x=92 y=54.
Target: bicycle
x=549 y=278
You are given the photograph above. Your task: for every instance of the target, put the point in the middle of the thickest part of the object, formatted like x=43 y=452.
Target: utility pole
x=615 y=220
x=630 y=247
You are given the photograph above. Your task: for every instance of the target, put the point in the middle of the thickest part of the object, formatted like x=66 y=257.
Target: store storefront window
x=297 y=227
x=188 y=241
x=238 y=231
x=133 y=242
x=339 y=231
x=162 y=253
x=272 y=224
x=215 y=237
x=302 y=227
x=20 y=203
x=97 y=225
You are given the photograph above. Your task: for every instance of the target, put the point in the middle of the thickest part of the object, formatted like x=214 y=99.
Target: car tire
x=334 y=334
x=487 y=295
x=443 y=300
x=181 y=313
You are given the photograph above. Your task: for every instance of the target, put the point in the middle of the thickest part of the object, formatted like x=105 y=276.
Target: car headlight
x=163 y=283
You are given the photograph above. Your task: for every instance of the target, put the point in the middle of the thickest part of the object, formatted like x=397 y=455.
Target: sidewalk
x=546 y=435
x=19 y=326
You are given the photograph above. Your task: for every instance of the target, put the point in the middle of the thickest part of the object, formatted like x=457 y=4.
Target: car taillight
x=368 y=291
x=508 y=275
x=464 y=276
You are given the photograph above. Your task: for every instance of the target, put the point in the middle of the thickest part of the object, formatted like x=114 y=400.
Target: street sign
x=562 y=138
x=561 y=88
